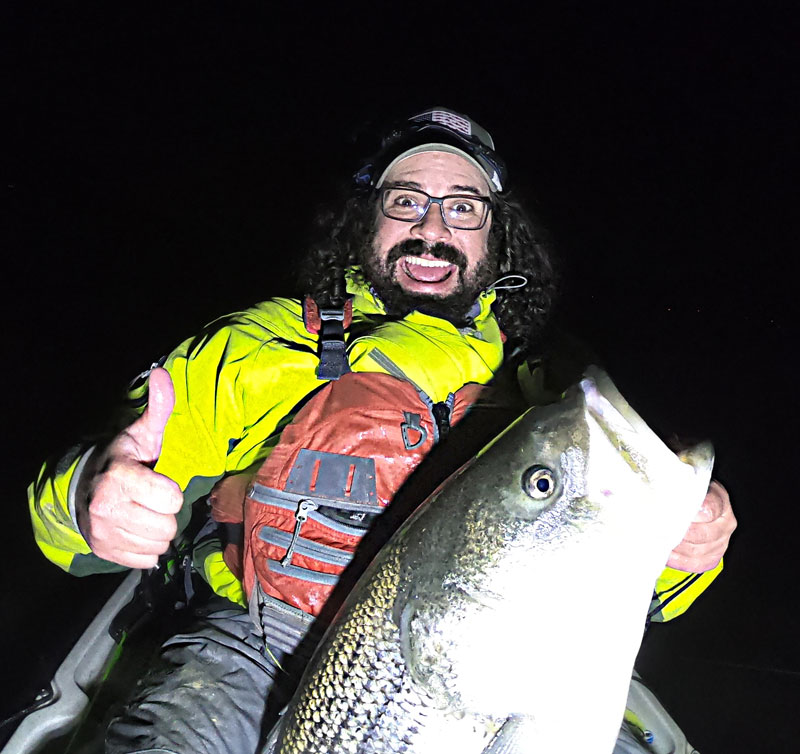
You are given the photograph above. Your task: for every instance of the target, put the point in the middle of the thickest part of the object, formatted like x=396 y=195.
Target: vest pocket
x=305 y=547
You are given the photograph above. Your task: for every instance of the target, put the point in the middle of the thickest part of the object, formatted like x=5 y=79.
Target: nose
x=431 y=227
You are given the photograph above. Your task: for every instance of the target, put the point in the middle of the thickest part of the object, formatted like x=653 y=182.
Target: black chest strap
x=330 y=324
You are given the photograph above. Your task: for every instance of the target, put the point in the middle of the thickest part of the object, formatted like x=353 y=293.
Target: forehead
x=439 y=173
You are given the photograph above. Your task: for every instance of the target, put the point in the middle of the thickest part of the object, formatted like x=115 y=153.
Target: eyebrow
x=468 y=189
x=455 y=187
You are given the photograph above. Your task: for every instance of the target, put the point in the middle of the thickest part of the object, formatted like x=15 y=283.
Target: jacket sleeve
x=204 y=422
x=676 y=590
x=51 y=501
x=51 y=498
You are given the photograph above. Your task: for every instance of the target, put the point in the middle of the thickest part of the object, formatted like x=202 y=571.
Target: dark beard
x=454 y=307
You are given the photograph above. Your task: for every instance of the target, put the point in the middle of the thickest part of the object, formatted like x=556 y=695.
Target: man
x=447 y=281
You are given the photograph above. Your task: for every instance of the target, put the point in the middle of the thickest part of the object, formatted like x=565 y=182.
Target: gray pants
x=215 y=689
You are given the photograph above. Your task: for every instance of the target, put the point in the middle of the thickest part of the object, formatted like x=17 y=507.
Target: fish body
x=505 y=615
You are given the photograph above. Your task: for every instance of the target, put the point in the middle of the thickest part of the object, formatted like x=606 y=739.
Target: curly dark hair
x=517 y=242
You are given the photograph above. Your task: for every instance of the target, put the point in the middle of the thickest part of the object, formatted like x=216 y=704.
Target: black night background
x=159 y=168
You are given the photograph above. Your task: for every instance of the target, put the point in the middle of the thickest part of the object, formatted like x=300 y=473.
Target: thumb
x=147 y=431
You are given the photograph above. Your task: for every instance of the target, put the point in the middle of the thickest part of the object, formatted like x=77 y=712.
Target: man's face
x=426 y=264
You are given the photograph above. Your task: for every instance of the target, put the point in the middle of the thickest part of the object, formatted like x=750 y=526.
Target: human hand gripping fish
x=706 y=540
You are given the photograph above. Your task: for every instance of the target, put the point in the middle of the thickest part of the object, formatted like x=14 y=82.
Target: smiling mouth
x=427 y=270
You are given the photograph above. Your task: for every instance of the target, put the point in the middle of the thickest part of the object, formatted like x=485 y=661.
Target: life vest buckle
x=330 y=324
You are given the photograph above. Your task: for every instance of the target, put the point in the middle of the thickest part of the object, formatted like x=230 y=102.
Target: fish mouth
x=426 y=268
x=632 y=434
x=607 y=404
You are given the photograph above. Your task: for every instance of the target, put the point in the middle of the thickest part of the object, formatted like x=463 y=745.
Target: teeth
x=427 y=262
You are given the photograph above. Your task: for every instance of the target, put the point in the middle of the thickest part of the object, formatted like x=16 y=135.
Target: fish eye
x=538 y=482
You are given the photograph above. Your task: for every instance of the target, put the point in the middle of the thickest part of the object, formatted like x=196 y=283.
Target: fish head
x=538 y=560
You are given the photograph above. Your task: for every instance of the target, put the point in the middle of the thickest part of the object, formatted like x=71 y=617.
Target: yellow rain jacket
x=238 y=382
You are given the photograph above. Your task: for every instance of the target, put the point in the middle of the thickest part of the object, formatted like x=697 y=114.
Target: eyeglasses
x=460 y=211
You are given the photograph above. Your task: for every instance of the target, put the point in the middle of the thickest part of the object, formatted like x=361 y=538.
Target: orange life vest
x=340 y=462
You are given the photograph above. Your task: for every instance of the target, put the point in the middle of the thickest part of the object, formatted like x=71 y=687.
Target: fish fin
x=516 y=736
x=271 y=744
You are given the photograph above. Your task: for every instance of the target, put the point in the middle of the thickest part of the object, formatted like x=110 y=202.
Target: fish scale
x=336 y=711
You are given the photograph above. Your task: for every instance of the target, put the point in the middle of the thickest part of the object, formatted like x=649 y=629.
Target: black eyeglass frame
x=485 y=200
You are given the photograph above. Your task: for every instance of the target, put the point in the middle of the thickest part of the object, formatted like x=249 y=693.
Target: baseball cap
x=437 y=129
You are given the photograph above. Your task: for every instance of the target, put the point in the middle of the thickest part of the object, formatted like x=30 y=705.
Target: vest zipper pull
x=441 y=415
x=301 y=514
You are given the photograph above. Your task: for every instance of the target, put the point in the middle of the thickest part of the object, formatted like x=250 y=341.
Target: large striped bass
x=506 y=614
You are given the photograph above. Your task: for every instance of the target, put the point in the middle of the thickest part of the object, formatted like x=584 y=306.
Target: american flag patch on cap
x=450 y=120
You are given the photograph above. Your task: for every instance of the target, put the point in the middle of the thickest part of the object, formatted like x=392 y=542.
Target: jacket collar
x=367 y=302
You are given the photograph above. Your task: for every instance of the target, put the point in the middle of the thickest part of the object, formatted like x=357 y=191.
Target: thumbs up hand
x=126 y=511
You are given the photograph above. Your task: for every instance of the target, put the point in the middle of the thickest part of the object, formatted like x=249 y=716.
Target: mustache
x=415 y=247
